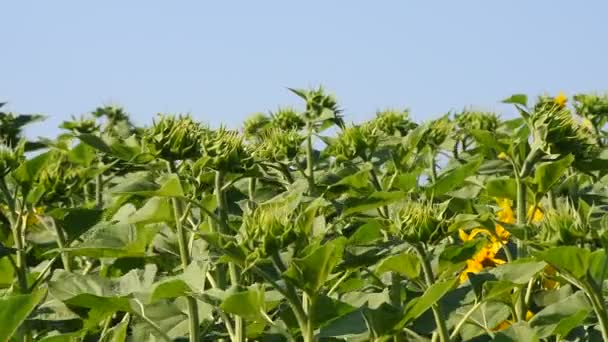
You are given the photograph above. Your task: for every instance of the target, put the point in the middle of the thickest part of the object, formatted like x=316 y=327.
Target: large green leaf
x=502 y=187
x=517 y=332
x=561 y=317
x=520 y=99
x=455 y=177
x=373 y=201
x=248 y=304
x=405 y=264
x=547 y=174
x=15 y=309
x=574 y=260
x=312 y=271
x=519 y=271
x=430 y=297
x=155 y=210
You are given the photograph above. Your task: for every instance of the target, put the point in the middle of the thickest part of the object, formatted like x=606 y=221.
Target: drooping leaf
x=455 y=177
x=312 y=271
x=15 y=309
x=405 y=264
x=547 y=174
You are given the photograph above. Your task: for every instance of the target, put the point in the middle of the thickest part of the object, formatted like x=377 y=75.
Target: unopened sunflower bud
x=10 y=158
x=287 y=119
x=269 y=228
x=175 y=138
x=255 y=125
x=355 y=141
x=224 y=150
x=392 y=122
x=278 y=146
x=417 y=221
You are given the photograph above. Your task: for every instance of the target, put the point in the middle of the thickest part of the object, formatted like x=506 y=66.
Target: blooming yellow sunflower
x=561 y=99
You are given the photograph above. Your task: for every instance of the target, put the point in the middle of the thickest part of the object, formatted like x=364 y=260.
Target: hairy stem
x=430 y=280
x=184 y=254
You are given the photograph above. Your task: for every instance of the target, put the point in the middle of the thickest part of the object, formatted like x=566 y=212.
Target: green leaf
x=82 y=154
x=367 y=233
x=519 y=271
x=561 y=317
x=549 y=173
x=95 y=142
x=373 y=201
x=571 y=259
x=517 y=332
x=432 y=295
x=27 y=173
x=487 y=138
x=118 y=333
x=311 y=272
x=156 y=210
x=502 y=187
x=520 y=99
x=405 y=264
x=170 y=186
x=108 y=239
x=15 y=309
x=76 y=221
x=248 y=304
x=455 y=177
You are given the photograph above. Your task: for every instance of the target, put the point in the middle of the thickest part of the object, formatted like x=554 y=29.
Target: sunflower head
x=175 y=137
x=393 y=122
x=354 y=141
x=276 y=145
x=11 y=157
x=556 y=132
x=225 y=150
x=255 y=125
x=563 y=225
x=287 y=119
x=268 y=228
x=420 y=221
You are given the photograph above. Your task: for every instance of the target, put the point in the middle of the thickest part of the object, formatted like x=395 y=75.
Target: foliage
x=303 y=228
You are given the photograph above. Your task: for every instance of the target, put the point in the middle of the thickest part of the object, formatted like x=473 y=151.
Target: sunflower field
x=300 y=226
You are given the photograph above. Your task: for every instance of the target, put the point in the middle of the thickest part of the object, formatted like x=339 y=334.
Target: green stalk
x=99 y=191
x=239 y=324
x=309 y=160
x=62 y=243
x=185 y=261
x=430 y=280
x=289 y=292
x=18 y=231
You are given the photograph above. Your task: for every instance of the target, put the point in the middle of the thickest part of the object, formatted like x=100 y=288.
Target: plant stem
x=239 y=324
x=430 y=280
x=185 y=261
x=18 y=231
x=99 y=191
x=309 y=160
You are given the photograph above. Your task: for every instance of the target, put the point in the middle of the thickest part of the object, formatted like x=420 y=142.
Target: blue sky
x=223 y=60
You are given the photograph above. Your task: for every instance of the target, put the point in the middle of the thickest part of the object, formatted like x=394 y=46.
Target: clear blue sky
x=223 y=60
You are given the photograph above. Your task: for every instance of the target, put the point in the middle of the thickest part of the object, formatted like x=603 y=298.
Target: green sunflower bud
x=255 y=125
x=225 y=150
x=563 y=226
x=474 y=120
x=555 y=131
x=594 y=108
x=269 y=228
x=278 y=146
x=81 y=126
x=392 y=122
x=420 y=221
x=10 y=158
x=175 y=138
x=436 y=133
x=287 y=119
x=355 y=141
